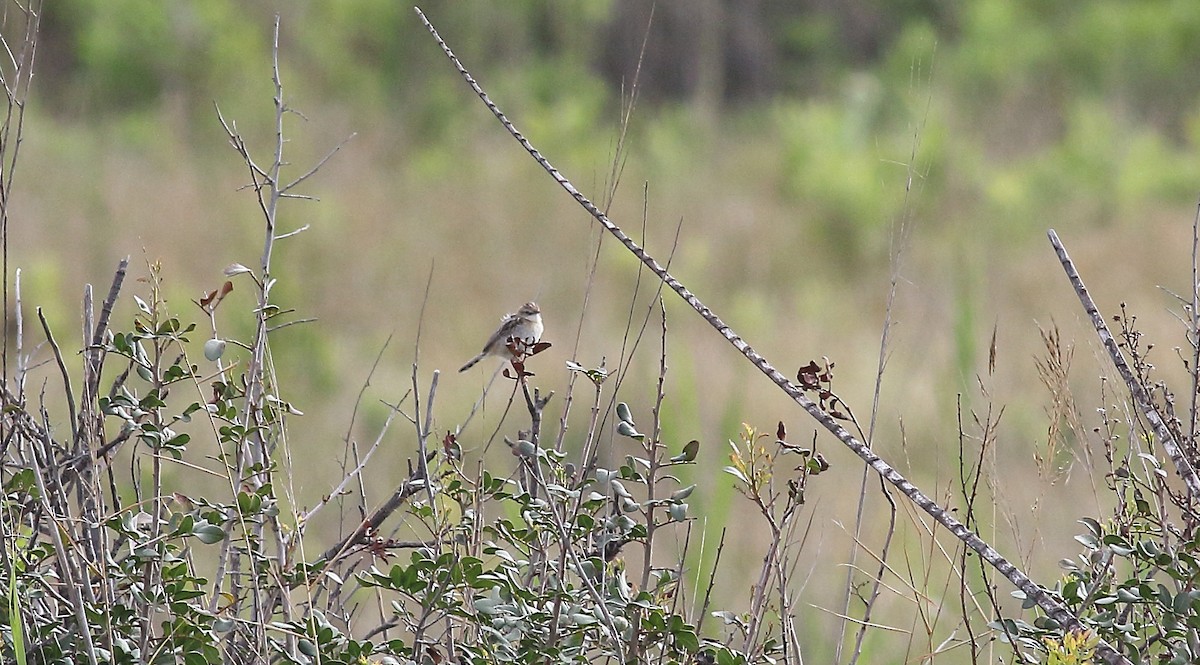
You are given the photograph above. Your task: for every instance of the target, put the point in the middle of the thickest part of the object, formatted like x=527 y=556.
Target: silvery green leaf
x=625 y=429
x=526 y=448
x=683 y=493
x=624 y=414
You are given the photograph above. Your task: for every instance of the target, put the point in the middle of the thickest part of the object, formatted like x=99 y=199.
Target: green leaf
x=678 y=511
x=249 y=504
x=625 y=429
x=1127 y=596
x=624 y=414
x=683 y=493
x=178 y=441
x=209 y=534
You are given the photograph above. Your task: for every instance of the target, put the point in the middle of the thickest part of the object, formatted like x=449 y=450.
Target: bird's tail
x=471 y=362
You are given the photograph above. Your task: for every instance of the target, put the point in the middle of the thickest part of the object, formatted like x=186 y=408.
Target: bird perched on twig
x=524 y=327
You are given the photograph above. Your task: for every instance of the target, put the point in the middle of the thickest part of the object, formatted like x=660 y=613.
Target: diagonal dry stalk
x=1140 y=397
x=1050 y=605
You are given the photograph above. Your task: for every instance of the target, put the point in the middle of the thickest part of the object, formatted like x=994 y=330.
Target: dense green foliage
x=1024 y=110
x=130 y=53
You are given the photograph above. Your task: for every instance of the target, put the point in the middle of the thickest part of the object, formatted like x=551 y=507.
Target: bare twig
x=423 y=429
x=369 y=525
x=712 y=582
x=66 y=376
x=259 y=414
x=355 y=473
x=351 y=446
x=110 y=301
x=1194 y=325
x=316 y=167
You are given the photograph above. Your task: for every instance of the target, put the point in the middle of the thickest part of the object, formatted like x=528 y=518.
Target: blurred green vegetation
x=788 y=137
x=1079 y=109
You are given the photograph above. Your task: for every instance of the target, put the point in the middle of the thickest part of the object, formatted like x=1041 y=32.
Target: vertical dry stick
x=256 y=452
x=654 y=445
x=423 y=430
x=1033 y=591
x=152 y=575
x=66 y=560
x=899 y=242
x=16 y=76
x=253 y=449
x=110 y=301
x=93 y=354
x=89 y=322
x=20 y=347
x=1140 y=397
x=86 y=489
x=252 y=452
x=93 y=357
x=1194 y=332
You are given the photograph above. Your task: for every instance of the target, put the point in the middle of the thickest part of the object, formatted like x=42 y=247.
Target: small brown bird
x=525 y=325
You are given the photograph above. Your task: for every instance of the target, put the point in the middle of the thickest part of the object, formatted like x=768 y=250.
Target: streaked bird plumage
x=524 y=325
